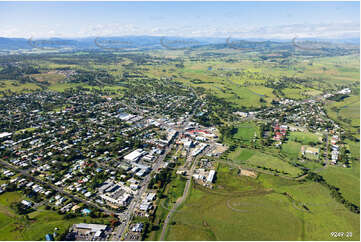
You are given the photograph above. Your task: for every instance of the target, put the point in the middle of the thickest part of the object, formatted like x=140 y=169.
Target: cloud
x=322 y=30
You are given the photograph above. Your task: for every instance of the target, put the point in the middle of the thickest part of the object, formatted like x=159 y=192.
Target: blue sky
x=206 y=19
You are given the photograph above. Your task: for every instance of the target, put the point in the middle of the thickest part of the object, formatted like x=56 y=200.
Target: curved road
x=181 y=200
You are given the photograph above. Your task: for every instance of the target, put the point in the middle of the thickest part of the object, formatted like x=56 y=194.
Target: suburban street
x=61 y=191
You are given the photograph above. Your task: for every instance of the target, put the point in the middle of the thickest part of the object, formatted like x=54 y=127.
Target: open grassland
x=294 y=93
x=246 y=132
x=173 y=191
x=51 y=77
x=242 y=208
x=354 y=148
x=336 y=70
x=325 y=214
x=257 y=159
x=16 y=86
x=347 y=179
x=305 y=138
x=347 y=112
x=36 y=224
x=207 y=216
x=291 y=149
x=228 y=181
x=220 y=76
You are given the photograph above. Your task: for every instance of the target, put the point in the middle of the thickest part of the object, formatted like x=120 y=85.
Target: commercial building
x=134 y=156
x=210 y=177
x=95 y=230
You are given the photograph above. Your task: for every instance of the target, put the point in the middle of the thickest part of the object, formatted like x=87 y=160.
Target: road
x=130 y=211
x=327 y=162
x=183 y=198
x=326 y=151
x=59 y=190
x=119 y=232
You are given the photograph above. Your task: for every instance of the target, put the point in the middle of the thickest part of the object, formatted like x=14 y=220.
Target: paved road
x=119 y=233
x=326 y=149
x=178 y=203
x=327 y=162
x=130 y=211
x=182 y=199
x=59 y=190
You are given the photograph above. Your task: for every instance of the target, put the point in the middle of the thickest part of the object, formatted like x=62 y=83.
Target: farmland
x=257 y=159
x=305 y=138
x=244 y=118
x=218 y=214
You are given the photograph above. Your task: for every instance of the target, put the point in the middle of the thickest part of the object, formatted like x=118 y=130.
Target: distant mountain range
x=143 y=42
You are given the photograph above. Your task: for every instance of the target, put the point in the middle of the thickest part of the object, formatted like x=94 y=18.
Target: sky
x=269 y=20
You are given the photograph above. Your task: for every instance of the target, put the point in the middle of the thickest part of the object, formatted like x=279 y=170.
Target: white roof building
x=92 y=227
x=134 y=156
x=211 y=176
x=5 y=134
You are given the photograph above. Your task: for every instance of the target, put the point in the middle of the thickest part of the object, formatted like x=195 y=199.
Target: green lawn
x=246 y=132
x=38 y=223
x=256 y=158
x=304 y=138
x=291 y=149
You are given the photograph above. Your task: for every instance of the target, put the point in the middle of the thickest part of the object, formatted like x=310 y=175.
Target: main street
x=118 y=233
x=127 y=217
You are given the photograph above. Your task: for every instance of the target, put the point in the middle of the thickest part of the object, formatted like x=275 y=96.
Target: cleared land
x=305 y=138
x=244 y=209
x=257 y=159
x=35 y=225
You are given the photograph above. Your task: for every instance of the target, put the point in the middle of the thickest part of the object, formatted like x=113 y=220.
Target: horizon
x=241 y=20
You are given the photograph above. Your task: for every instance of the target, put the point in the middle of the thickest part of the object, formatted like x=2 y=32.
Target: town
x=95 y=154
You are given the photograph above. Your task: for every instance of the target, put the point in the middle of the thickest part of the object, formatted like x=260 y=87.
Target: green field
x=256 y=158
x=347 y=179
x=291 y=149
x=304 y=138
x=325 y=213
x=242 y=208
x=15 y=86
x=173 y=191
x=246 y=132
x=347 y=112
x=206 y=216
x=36 y=225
